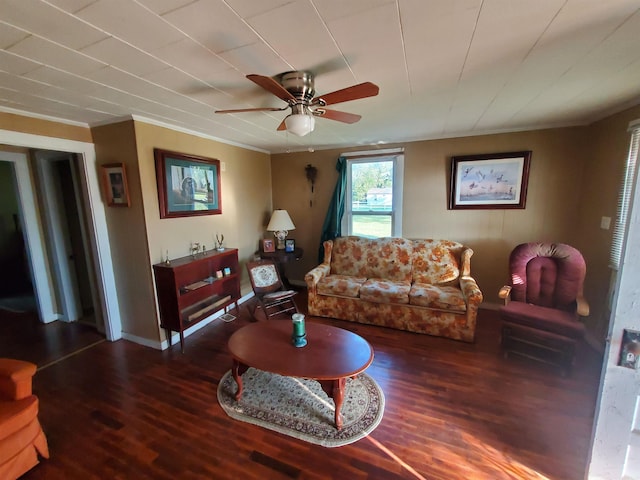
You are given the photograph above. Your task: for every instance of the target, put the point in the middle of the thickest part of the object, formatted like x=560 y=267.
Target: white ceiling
x=445 y=68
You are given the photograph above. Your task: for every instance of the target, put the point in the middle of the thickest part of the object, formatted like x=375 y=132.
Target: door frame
x=98 y=234
x=54 y=222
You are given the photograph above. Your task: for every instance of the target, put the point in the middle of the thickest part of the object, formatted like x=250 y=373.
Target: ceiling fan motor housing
x=299 y=84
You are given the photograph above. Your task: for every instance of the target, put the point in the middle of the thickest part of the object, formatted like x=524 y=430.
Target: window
x=624 y=197
x=374 y=194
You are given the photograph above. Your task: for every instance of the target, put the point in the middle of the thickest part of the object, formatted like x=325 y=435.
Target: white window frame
x=395 y=155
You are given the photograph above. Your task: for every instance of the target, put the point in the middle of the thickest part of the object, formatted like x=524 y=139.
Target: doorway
x=16 y=285
x=23 y=332
x=36 y=334
x=67 y=239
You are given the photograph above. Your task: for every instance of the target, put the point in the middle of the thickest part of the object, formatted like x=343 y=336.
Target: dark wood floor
x=453 y=411
x=24 y=337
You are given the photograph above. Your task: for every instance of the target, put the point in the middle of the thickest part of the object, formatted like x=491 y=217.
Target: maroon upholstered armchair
x=543 y=303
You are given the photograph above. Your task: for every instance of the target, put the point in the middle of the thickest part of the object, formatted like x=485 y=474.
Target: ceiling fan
x=297 y=89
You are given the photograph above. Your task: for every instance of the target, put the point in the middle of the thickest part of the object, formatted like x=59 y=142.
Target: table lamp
x=280 y=224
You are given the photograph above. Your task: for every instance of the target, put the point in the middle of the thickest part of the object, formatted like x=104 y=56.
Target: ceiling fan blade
x=270 y=85
x=282 y=126
x=240 y=110
x=362 y=90
x=343 y=117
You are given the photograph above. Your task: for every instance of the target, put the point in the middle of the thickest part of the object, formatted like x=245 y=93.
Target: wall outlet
x=605 y=223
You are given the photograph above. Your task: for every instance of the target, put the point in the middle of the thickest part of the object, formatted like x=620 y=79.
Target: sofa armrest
x=15 y=378
x=465 y=262
x=470 y=291
x=315 y=275
x=582 y=306
x=505 y=293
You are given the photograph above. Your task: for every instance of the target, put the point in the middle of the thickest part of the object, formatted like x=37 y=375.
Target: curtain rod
x=373 y=153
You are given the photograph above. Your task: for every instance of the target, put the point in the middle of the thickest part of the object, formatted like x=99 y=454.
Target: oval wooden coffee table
x=330 y=356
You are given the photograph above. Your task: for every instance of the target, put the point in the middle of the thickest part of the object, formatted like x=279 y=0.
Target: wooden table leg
x=335 y=389
x=237 y=370
x=338 y=398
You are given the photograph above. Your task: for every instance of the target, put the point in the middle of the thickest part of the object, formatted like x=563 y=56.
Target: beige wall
x=246 y=200
x=550 y=214
x=608 y=142
x=36 y=126
x=116 y=143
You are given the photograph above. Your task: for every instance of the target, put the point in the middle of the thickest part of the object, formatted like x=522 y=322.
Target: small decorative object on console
x=289 y=245
x=268 y=245
x=219 y=240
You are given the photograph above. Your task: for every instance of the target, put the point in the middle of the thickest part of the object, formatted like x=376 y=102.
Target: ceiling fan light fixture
x=300 y=124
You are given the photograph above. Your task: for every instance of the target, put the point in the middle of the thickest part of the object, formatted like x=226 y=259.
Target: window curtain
x=332 y=226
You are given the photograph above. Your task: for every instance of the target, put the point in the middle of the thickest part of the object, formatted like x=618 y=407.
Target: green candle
x=298 y=324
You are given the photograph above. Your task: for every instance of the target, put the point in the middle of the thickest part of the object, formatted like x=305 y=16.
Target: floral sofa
x=422 y=286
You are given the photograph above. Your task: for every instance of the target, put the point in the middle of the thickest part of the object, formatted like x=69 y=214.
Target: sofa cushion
x=349 y=256
x=390 y=258
x=436 y=261
x=385 y=291
x=543 y=318
x=433 y=296
x=340 y=285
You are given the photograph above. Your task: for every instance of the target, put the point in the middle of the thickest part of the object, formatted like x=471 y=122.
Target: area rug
x=300 y=408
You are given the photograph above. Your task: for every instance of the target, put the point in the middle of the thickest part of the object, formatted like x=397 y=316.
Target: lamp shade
x=300 y=124
x=280 y=220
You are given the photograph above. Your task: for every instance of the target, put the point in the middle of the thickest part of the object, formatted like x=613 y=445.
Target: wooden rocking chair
x=269 y=290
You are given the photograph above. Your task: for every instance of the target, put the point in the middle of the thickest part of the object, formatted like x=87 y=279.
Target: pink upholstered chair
x=543 y=303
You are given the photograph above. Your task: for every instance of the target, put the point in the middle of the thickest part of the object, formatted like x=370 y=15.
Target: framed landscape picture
x=496 y=180
x=188 y=185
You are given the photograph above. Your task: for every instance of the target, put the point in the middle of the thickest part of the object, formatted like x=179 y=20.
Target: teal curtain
x=331 y=228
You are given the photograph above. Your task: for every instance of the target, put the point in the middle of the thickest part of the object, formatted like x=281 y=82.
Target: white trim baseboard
x=175 y=337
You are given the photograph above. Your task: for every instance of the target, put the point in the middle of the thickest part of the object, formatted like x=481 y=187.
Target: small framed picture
x=114 y=178
x=289 y=245
x=227 y=271
x=268 y=245
x=219 y=274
